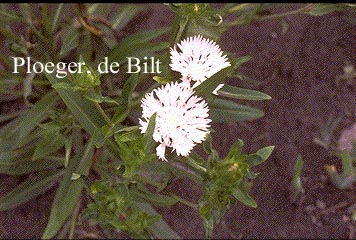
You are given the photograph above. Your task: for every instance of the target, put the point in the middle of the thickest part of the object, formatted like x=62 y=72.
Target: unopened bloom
x=198 y=59
x=181 y=121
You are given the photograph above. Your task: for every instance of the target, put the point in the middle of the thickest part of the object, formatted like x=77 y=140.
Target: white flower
x=181 y=121
x=198 y=59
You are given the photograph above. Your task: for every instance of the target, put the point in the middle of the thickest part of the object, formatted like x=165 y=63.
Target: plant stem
x=73 y=220
x=195 y=165
x=147 y=180
x=186 y=202
x=6 y=117
x=102 y=113
x=278 y=15
x=297 y=11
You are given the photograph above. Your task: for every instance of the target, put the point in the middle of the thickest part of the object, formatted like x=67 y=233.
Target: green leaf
x=55 y=18
x=35 y=115
x=31 y=188
x=260 y=156
x=70 y=38
x=121 y=113
x=26 y=12
x=126 y=14
x=99 y=9
x=50 y=143
x=285 y=26
x=99 y=137
x=202 y=27
x=67 y=86
x=160 y=228
x=235 y=149
x=347 y=163
x=124 y=109
x=205 y=212
x=241 y=194
x=179 y=26
x=241 y=93
x=18 y=162
x=296 y=190
x=155 y=199
x=298 y=167
x=236 y=62
x=206 y=88
x=27 y=85
x=138 y=45
x=325 y=8
x=227 y=111
x=83 y=110
x=68 y=150
x=98 y=98
x=208 y=144
x=147 y=136
x=265 y=152
x=163 y=80
x=129 y=135
x=69 y=192
x=9 y=16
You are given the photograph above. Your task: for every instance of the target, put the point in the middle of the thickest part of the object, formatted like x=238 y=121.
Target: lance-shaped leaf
x=125 y=15
x=124 y=108
x=29 y=189
x=70 y=36
x=121 y=113
x=325 y=8
x=83 y=110
x=241 y=194
x=296 y=190
x=138 y=45
x=51 y=141
x=206 y=88
x=227 y=111
x=35 y=115
x=55 y=18
x=235 y=149
x=160 y=228
x=147 y=136
x=69 y=191
x=18 y=162
x=242 y=93
x=260 y=156
x=152 y=198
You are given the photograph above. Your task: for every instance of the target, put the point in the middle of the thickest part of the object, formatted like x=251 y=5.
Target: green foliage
x=29 y=189
x=69 y=192
x=113 y=207
x=322 y=9
x=347 y=177
x=296 y=191
x=225 y=181
x=88 y=123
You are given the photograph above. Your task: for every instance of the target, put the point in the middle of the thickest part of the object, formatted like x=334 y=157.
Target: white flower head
x=198 y=59
x=181 y=121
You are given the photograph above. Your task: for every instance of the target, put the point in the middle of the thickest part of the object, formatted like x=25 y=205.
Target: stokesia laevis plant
x=91 y=123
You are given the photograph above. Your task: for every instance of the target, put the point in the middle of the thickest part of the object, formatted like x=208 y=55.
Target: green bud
x=89 y=78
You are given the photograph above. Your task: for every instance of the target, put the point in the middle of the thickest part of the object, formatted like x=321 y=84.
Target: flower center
x=170 y=121
x=195 y=70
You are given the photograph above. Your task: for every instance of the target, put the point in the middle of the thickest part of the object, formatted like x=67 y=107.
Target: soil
x=298 y=69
